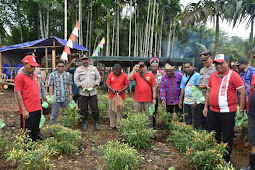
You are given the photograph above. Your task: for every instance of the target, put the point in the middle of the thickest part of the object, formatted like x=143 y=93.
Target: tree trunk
x=135 y=46
x=169 y=41
x=19 y=20
x=65 y=21
x=90 y=25
x=146 y=29
x=173 y=39
x=152 y=27
x=118 y=30
x=87 y=31
x=156 y=33
x=217 y=35
x=160 y=38
x=80 y=23
x=47 y=23
x=141 y=40
x=130 y=29
x=41 y=21
x=108 y=33
x=251 y=43
x=113 y=34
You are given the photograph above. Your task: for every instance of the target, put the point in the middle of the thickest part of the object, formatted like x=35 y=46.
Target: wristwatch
x=241 y=111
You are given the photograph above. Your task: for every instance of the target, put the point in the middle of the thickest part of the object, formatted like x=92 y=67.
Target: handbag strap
x=189 y=79
x=147 y=83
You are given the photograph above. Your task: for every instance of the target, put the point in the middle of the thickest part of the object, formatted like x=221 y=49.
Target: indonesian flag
x=69 y=44
x=182 y=56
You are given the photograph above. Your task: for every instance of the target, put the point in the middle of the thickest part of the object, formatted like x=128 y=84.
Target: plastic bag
x=2 y=124
x=239 y=122
x=42 y=121
x=117 y=102
x=197 y=95
x=45 y=104
x=72 y=105
x=51 y=100
x=152 y=109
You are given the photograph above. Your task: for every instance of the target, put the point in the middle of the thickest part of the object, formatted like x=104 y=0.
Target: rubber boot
x=251 y=165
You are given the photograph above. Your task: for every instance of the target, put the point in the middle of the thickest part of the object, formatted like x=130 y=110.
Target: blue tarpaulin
x=47 y=42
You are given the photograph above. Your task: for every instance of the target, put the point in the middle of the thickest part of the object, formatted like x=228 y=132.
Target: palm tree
x=247 y=12
x=196 y=12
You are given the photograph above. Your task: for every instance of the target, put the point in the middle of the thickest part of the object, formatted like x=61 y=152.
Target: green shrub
x=103 y=104
x=69 y=117
x=29 y=154
x=65 y=141
x=5 y=143
x=129 y=105
x=135 y=130
x=200 y=147
x=119 y=156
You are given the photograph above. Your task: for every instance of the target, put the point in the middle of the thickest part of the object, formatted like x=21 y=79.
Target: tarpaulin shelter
x=12 y=55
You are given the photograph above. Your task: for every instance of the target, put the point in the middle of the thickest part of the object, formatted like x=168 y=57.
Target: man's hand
x=73 y=60
x=240 y=114
x=2 y=117
x=195 y=105
x=154 y=101
x=45 y=99
x=163 y=103
x=25 y=114
x=180 y=104
x=205 y=112
x=202 y=86
x=136 y=67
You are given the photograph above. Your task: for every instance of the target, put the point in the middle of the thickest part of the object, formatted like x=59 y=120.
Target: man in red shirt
x=117 y=83
x=28 y=96
x=145 y=88
x=221 y=95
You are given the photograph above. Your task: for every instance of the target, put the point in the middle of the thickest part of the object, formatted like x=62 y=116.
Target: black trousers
x=189 y=114
x=223 y=124
x=84 y=101
x=172 y=108
x=32 y=123
x=155 y=114
x=76 y=97
x=200 y=121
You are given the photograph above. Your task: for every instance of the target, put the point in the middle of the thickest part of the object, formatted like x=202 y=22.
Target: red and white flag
x=71 y=40
x=182 y=55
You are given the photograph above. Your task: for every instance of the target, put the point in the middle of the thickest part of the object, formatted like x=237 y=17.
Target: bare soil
x=159 y=155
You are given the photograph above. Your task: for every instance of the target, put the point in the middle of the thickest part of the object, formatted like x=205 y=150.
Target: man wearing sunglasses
x=222 y=97
x=60 y=86
x=27 y=92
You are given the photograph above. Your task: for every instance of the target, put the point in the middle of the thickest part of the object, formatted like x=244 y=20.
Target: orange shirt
x=117 y=83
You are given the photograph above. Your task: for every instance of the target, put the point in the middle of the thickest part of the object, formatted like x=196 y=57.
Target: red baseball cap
x=30 y=60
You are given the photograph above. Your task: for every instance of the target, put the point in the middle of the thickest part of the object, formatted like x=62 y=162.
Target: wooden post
x=47 y=68
x=53 y=55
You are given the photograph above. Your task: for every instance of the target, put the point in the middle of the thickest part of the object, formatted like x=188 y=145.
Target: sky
x=238 y=30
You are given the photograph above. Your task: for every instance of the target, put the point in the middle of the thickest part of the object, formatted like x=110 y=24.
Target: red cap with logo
x=30 y=60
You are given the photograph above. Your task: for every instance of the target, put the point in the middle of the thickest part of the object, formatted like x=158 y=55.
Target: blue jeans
x=55 y=109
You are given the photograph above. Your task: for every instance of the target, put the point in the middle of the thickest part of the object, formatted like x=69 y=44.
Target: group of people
x=224 y=89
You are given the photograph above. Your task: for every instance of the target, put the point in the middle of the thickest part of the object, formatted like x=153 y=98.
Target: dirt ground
x=159 y=155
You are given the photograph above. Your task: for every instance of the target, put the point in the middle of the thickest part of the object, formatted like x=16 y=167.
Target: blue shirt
x=75 y=89
x=188 y=99
x=246 y=76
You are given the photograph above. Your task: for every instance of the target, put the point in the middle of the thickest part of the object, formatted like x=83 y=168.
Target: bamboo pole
x=53 y=55
x=47 y=67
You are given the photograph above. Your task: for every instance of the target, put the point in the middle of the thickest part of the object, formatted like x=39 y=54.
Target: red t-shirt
x=252 y=84
x=29 y=90
x=223 y=95
x=143 y=92
x=117 y=83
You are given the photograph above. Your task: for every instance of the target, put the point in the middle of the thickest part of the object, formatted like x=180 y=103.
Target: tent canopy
x=42 y=44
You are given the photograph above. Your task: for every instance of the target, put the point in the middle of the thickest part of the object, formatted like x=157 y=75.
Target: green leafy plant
x=65 y=141
x=29 y=154
x=120 y=156
x=69 y=117
x=5 y=143
x=200 y=147
x=103 y=104
x=135 y=130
